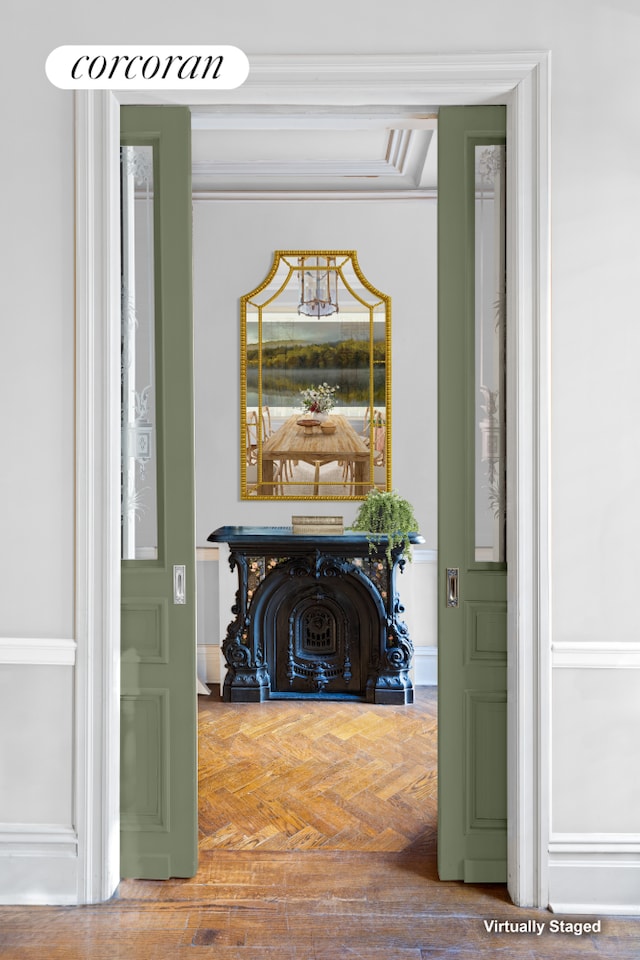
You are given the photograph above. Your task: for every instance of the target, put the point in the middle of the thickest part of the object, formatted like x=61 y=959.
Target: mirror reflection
x=315 y=380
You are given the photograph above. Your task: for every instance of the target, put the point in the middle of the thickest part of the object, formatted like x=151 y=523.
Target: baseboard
x=425 y=666
x=596 y=874
x=38 y=881
x=38 y=864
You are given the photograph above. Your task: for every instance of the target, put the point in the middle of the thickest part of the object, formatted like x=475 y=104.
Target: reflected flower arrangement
x=320 y=399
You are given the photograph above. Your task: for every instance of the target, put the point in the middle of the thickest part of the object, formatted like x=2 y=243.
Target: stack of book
x=312 y=526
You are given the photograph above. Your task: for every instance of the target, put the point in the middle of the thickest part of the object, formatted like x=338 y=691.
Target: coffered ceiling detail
x=325 y=150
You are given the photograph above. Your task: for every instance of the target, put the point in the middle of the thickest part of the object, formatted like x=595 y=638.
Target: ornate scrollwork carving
x=398 y=657
x=318 y=565
x=299 y=567
x=329 y=566
x=237 y=654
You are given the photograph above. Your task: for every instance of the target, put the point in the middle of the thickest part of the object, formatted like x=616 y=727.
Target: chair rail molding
x=595 y=655
x=38 y=651
x=521 y=81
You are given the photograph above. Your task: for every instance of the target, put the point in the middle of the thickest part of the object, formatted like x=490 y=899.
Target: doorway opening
x=519 y=80
x=327 y=202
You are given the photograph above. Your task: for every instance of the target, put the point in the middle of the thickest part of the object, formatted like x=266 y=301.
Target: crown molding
x=402 y=166
x=270 y=117
x=286 y=196
x=259 y=170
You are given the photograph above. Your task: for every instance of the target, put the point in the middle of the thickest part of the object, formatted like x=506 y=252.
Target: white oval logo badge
x=94 y=67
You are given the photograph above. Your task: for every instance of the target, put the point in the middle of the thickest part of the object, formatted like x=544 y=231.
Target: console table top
x=258 y=536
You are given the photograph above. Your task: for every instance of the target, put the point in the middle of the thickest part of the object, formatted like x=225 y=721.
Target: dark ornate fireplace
x=315 y=616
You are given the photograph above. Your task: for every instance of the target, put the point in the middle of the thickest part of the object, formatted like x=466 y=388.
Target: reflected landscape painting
x=315 y=380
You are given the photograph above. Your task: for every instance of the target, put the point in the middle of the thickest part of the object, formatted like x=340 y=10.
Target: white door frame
x=519 y=80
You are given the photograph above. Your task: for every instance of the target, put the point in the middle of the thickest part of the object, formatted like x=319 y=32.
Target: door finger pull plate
x=179 y=590
x=453 y=598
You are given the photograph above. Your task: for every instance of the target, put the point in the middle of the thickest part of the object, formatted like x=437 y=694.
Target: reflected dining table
x=293 y=442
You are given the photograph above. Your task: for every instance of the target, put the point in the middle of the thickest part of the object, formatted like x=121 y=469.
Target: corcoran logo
x=80 y=67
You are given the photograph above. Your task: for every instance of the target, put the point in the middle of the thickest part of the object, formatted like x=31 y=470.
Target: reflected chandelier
x=318 y=286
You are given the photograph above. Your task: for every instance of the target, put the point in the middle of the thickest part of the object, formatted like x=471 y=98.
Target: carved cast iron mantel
x=315 y=616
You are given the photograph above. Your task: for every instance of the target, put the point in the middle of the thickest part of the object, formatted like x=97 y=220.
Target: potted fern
x=385 y=513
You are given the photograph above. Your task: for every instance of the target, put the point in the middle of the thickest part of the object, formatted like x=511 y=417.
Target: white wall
x=595 y=347
x=233 y=245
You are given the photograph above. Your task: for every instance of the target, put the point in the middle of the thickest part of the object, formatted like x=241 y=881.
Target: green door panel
x=472 y=652
x=158 y=654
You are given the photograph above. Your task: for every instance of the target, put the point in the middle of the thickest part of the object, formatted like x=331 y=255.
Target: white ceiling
x=322 y=150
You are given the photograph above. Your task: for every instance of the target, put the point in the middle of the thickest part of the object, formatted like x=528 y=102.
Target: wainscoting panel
x=595 y=770
x=208 y=625
x=36 y=748
x=594 y=848
x=418 y=589
x=425 y=667
x=210 y=668
x=38 y=843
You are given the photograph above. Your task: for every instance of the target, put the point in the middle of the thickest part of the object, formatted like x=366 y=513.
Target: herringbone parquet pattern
x=306 y=774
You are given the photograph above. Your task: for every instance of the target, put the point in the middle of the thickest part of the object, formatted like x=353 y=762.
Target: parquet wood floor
x=318 y=775
x=316 y=886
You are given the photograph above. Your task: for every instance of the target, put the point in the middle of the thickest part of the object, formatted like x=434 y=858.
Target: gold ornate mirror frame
x=315 y=381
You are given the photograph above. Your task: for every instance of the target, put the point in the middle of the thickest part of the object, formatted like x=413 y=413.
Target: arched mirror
x=315 y=380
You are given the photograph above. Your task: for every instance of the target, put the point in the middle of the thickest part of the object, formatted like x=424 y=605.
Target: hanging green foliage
x=385 y=514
